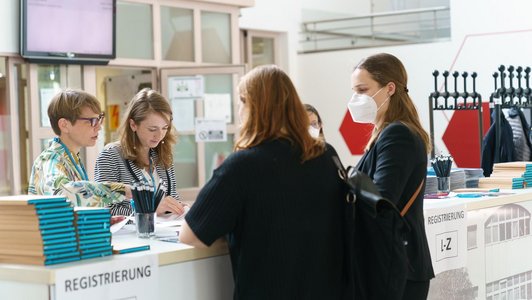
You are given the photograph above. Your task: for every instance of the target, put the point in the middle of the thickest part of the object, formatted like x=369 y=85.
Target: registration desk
x=481 y=247
x=183 y=273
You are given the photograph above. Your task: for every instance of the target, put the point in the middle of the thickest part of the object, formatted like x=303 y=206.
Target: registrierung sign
x=117 y=278
x=446 y=229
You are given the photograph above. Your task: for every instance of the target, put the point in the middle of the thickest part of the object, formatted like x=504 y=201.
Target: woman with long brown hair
x=395 y=157
x=144 y=152
x=274 y=198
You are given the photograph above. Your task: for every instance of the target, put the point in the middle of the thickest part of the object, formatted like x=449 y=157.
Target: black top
x=283 y=221
x=397 y=163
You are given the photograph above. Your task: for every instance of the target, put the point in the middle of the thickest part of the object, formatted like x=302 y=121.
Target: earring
x=162 y=142
x=134 y=140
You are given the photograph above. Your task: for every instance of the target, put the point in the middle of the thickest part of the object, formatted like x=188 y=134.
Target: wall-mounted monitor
x=68 y=31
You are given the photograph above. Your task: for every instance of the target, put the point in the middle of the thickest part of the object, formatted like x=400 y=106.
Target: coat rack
x=507 y=97
x=454 y=100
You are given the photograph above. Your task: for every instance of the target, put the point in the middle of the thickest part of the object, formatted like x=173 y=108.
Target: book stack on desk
x=509 y=175
x=37 y=230
x=93 y=231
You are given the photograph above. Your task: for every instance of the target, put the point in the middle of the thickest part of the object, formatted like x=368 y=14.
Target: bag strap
x=411 y=201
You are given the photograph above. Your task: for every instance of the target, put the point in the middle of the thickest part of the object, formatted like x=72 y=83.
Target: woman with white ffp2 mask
x=395 y=158
x=315 y=129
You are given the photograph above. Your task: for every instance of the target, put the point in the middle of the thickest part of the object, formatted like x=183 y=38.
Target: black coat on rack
x=507 y=96
x=505 y=147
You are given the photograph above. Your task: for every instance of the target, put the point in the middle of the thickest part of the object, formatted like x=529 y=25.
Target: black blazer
x=397 y=163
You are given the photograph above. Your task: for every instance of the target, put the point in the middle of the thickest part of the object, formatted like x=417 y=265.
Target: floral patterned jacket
x=53 y=173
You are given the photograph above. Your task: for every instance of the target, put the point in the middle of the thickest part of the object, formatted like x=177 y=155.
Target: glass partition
x=134 y=30
x=216 y=153
x=186 y=162
x=262 y=51
x=177 y=34
x=216 y=37
x=49 y=83
x=203 y=103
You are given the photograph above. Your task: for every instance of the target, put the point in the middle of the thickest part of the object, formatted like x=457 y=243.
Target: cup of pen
x=442 y=167
x=444 y=184
x=146 y=198
x=145 y=225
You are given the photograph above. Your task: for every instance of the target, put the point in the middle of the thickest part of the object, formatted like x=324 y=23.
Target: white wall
x=9 y=26
x=485 y=34
x=279 y=16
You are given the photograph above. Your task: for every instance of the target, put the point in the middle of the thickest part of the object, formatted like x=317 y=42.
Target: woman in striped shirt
x=143 y=154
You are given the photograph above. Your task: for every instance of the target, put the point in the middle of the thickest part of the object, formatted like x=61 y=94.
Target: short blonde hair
x=67 y=104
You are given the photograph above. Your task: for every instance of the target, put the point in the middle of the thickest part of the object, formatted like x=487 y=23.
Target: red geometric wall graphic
x=461 y=136
x=355 y=135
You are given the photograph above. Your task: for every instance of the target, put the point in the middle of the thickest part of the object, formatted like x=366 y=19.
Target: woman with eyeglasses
x=76 y=118
x=143 y=154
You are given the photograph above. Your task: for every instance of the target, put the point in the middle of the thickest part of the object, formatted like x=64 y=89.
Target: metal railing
x=376 y=30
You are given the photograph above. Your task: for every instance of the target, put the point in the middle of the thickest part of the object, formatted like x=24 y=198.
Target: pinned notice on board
x=210 y=130
x=180 y=87
x=217 y=107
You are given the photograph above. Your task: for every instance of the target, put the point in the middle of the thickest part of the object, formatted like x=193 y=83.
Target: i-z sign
x=446 y=245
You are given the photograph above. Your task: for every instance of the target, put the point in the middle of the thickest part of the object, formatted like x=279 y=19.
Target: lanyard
x=152 y=178
x=134 y=175
x=79 y=168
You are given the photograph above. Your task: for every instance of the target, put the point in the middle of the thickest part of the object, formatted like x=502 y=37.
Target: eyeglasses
x=315 y=124
x=94 y=121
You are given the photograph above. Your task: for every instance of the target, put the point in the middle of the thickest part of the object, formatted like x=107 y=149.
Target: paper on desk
x=171 y=219
x=117 y=226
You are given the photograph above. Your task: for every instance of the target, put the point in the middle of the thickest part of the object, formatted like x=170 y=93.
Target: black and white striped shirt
x=111 y=167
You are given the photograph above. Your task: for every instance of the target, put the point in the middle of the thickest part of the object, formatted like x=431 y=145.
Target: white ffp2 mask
x=314 y=132
x=363 y=108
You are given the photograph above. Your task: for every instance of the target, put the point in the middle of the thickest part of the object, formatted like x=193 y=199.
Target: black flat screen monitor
x=68 y=31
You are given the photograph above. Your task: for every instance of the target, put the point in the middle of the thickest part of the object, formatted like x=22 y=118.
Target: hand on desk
x=171 y=205
x=117 y=219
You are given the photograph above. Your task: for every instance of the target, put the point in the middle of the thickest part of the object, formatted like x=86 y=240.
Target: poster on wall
x=185 y=87
x=183 y=114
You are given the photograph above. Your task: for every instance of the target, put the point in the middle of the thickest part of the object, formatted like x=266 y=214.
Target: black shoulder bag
x=374 y=239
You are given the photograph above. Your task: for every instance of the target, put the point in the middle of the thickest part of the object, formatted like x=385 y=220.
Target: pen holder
x=444 y=184
x=145 y=225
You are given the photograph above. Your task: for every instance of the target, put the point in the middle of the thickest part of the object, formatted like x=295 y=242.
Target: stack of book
x=93 y=231
x=509 y=175
x=37 y=230
x=471 y=177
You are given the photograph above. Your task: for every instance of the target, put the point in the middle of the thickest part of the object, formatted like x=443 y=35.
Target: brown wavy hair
x=274 y=111
x=147 y=101
x=385 y=68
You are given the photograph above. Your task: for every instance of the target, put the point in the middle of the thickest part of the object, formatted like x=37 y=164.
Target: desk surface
x=483 y=202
